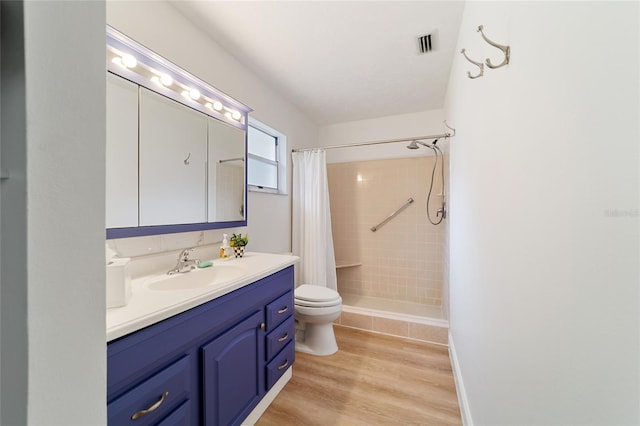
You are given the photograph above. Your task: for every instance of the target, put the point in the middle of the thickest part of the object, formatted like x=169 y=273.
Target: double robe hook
x=478 y=64
x=506 y=50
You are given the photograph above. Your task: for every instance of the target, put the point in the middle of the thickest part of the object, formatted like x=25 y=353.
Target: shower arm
x=426 y=144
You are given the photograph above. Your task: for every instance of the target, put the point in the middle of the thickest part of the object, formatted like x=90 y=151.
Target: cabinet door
x=173 y=162
x=233 y=370
x=122 y=153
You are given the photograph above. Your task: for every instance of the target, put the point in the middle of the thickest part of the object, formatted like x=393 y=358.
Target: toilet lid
x=316 y=293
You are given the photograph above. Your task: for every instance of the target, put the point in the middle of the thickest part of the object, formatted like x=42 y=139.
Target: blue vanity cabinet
x=205 y=366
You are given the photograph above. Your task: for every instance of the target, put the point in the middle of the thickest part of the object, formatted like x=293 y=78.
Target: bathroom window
x=266 y=146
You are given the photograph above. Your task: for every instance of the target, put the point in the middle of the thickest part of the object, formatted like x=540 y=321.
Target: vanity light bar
x=131 y=60
x=163 y=79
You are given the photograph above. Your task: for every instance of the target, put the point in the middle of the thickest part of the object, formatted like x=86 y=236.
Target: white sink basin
x=197 y=278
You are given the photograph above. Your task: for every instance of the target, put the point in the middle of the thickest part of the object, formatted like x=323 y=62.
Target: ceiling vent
x=424 y=43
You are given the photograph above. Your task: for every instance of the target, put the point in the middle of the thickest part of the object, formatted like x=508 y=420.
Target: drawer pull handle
x=283 y=338
x=154 y=407
x=283 y=310
x=286 y=362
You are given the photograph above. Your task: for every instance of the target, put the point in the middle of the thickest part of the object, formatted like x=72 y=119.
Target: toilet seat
x=318 y=304
x=316 y=296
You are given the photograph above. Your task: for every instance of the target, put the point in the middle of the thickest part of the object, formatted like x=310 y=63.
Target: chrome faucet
x=184 y=264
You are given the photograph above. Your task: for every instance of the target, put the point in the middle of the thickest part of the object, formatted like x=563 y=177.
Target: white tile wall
x=403 y=260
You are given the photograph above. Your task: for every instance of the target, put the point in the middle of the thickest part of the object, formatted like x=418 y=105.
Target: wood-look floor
x=373 y=380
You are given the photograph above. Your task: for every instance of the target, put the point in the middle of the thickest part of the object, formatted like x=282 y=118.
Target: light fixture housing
x=131 y=60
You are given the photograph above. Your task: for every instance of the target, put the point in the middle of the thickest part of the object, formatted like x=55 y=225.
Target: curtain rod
x=443 y=135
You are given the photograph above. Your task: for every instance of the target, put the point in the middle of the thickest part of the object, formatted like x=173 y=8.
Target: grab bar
x=392 y=215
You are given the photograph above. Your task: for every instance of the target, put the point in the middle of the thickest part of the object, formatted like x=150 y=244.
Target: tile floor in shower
x=394 y=306
x=393 y=317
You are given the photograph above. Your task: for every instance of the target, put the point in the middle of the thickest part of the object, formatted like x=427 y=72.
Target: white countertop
x=147 y=306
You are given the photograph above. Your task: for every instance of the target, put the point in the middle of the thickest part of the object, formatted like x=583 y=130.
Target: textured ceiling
x=339 y=61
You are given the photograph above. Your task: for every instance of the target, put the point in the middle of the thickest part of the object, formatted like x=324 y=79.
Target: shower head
x=413 y=145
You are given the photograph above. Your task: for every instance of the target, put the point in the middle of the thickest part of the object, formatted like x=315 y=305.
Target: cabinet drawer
x=159 y=395
x=180 y=417
x=278 y=338
x=280 y=364
x=279 y=310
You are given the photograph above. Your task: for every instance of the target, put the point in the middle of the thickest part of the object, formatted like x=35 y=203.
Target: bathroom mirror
x=226 y=178
x=175 y=158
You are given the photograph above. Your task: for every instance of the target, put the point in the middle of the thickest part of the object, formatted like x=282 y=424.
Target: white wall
x=13 y=291
x=53 y=146
x=544 y=272
x=423 y=123
x=161 y=28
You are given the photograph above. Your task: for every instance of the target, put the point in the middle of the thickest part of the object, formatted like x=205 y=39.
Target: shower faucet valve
x=442 y=211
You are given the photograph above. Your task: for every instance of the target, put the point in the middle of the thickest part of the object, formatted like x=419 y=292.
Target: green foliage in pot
x=237 y=240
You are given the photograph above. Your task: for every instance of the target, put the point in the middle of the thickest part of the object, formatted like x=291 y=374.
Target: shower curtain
x=312 y=239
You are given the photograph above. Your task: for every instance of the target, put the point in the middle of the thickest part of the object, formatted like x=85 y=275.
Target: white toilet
x=316 y=308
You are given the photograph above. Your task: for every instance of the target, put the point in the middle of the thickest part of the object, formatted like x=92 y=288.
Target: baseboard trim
x=465 y=412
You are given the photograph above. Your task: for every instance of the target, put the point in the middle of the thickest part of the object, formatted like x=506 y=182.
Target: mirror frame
x=152 y=64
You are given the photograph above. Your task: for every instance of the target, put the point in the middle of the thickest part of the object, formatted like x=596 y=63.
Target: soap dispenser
x=225 y=249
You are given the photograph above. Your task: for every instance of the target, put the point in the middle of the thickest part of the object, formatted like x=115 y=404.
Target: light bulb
x=236 y=115
x=217 y=106
x=166 y=79
x=117 y=60
x=194 y=94
x=129 y=61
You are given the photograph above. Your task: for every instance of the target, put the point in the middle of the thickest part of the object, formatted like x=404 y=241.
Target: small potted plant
x=238 y=242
